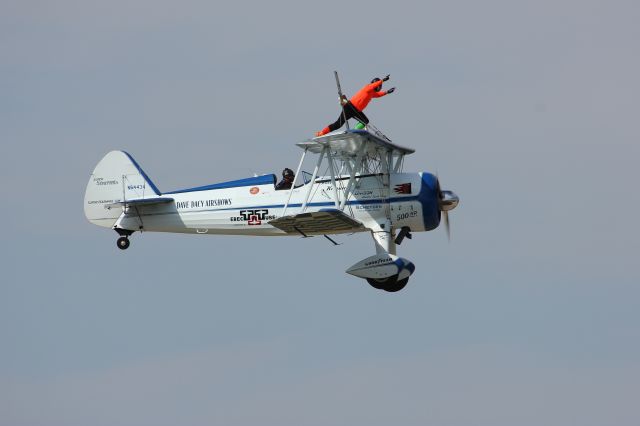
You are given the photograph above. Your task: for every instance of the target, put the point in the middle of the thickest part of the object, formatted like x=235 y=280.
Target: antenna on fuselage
x=344 y=114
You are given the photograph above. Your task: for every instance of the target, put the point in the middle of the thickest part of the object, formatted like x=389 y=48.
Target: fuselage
x=405 y=199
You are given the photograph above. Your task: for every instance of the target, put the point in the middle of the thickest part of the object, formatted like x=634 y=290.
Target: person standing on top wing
x=353 y=108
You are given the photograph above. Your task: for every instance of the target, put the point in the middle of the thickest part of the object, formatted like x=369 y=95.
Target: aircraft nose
x=448 y=200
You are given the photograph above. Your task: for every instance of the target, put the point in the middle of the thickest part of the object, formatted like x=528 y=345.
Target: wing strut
x=357 y=167
x=295 y=178
x=399 y=162
x=333 y=177
x=313 y=180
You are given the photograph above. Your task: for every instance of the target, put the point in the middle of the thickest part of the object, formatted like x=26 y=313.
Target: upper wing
x=349 y=142
x=329 y=221
x=140 y=202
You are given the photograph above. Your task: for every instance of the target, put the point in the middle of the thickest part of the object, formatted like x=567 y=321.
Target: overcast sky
x=527 y=110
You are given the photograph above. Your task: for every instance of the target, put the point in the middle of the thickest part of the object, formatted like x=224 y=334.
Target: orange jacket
x=361 y=99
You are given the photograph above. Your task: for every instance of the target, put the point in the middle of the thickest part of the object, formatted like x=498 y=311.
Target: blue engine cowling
x=429 y=198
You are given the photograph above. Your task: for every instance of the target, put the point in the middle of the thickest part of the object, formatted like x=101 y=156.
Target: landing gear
x=405 y=231
x=384 y=270
x=123 y=243
x=391 y=284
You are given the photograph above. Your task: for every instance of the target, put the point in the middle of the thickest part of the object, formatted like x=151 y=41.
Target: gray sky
x=528 y=110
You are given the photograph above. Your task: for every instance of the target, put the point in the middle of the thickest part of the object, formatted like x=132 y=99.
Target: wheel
x=377 y=284
x=396 y=286
x=123 y=243
x=390 y=284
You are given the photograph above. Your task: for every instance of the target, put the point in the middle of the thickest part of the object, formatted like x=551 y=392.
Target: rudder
x=117 y=177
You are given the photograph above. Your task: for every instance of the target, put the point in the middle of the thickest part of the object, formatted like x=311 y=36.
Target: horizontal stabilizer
x=317 y=223
x=141 y=202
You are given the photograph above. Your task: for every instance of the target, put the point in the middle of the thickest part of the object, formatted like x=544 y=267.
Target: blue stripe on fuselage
x=317 y=204
x=252 y=181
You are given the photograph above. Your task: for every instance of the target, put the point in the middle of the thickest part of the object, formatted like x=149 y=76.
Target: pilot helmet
x=288 y=173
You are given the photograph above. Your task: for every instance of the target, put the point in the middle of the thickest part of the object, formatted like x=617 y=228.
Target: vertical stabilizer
x=117 y=177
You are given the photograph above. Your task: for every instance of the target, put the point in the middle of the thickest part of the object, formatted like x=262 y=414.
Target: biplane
x=356 y=185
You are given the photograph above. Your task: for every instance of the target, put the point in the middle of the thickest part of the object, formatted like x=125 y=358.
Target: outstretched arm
x=380 y=94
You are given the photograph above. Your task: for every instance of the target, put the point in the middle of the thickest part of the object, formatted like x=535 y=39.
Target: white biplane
x=362 y=190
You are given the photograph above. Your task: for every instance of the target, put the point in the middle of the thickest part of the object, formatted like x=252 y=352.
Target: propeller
x=447 y=226
x=447 y=200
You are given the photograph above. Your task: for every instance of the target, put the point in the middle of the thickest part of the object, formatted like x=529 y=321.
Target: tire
x=123 y=243
x=377 y=284
x=390 y=284
x=396 y=286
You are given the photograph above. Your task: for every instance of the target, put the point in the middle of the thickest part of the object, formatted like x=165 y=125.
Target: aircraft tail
x=117 y=177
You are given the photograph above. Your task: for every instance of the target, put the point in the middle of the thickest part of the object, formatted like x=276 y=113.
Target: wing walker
x=357 y=184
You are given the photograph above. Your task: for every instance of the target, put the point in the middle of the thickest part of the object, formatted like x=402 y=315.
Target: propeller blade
x=447 y=200
x=443 y=212
x=446 y=224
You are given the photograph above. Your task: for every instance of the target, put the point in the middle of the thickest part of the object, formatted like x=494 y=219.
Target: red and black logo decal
x=403 y=188
x=253 y=216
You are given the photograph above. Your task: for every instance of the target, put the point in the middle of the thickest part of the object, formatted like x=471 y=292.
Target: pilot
x=353 y=108
x=287 y=180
